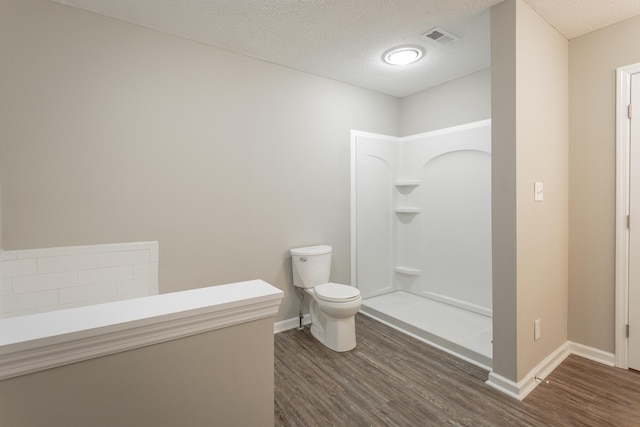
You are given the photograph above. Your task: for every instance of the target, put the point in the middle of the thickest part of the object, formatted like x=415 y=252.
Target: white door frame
x=623 y=124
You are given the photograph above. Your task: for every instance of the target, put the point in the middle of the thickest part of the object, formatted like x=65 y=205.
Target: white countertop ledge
x=46 y=340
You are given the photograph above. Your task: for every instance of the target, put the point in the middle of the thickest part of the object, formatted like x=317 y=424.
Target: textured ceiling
x=573 y=18
x=345 y=39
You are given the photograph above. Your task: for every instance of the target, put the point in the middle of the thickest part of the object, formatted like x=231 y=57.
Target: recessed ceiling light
x=403 y=55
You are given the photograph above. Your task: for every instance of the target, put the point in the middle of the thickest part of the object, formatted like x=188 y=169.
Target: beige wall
x=463 y=100
x=593 y=60
x=114 y=133
x=542 y=149
x=530 y=120
x=219 y=378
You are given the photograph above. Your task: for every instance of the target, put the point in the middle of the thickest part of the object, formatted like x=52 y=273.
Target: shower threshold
x=460 y=332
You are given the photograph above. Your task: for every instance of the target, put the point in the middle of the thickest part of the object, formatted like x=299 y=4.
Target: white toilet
x=333 y=306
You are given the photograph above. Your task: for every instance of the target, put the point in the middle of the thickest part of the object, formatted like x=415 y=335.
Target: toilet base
x=339 y=334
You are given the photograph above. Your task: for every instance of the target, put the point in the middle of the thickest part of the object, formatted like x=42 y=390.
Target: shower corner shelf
x=407 y=183
x=408 y=210
x=407 y=270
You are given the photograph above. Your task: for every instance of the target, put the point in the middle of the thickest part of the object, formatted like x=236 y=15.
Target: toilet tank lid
x=311 y=250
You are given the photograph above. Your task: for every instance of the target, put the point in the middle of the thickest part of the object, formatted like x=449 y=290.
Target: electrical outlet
x=536 y=330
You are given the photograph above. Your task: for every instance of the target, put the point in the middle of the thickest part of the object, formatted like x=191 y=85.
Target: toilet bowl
x=332 y=306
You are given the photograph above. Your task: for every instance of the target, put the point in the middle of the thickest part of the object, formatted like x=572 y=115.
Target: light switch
x=538 y=191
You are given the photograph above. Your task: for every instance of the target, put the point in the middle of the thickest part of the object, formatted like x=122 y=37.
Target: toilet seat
x=335 y=292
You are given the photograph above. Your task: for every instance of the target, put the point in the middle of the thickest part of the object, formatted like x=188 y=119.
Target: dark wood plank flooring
x=391 y=379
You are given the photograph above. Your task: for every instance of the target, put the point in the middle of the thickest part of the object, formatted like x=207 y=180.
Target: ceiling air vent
x=439 y=36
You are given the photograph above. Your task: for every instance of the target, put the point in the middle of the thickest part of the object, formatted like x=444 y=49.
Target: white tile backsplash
x=124 y=258
x=29 y=301
x=18 y=267
x=7 y=255
x=44 y=282
x=77 y=250
x=107 y=274
x=39 y=253
x=135 y=287
x=154 y=254
x=88 y=293
x=30 y=311
x=38 y=280
x=7 y=288
x=119 y=247
x=141 y=271
x=67 y=263
x=153 y=278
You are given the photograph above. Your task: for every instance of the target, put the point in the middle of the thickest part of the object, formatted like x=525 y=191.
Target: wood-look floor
x=391 y=379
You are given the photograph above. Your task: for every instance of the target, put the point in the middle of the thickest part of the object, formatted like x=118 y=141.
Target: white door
x=634 y=229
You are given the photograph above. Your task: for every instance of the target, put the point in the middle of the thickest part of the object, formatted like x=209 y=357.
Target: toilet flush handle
x=303 y=258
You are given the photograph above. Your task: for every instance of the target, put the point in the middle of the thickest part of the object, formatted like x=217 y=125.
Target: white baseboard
x=504 y=385
x=293 y=323
x=521 y=389
x=591 y=353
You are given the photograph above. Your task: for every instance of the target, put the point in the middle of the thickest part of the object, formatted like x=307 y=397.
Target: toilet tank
x=311 y=265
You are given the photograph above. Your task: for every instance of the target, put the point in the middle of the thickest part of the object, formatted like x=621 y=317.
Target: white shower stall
x=421 y=234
